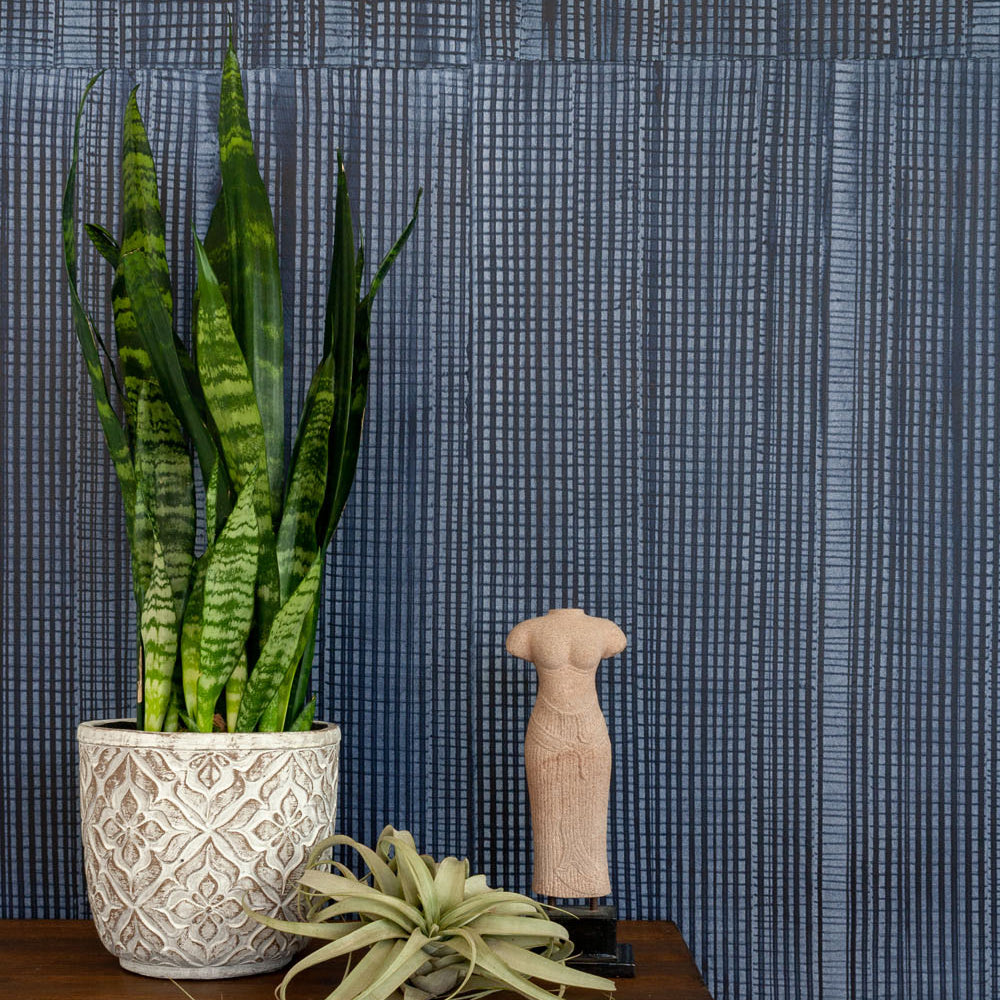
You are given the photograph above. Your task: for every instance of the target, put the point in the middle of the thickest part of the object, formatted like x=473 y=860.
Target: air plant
x=225 y=636
x=427 y=929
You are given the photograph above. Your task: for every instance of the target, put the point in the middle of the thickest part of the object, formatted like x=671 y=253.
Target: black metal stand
x=594 y=933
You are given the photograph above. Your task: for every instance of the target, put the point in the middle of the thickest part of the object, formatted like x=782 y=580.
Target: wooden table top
x=63 y=960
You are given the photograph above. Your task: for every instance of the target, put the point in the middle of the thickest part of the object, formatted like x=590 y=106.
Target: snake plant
x=427 y=929
x=225 y=635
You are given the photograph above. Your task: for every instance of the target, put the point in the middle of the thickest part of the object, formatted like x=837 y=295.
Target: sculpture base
x=594 y=933
x=620 y=965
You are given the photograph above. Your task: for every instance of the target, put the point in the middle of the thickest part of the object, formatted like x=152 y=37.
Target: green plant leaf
x=227 y=610
x=234 y=691
x=142 y=232
x=268 y=596
x=232 y=403
x=105 y=244
x=191 y=636
x=163 y=466
x=341 y=474
x=362 y=937
x=159 y=629
x=254 y=282
x=341 y=301
x=280 y=707
x=297 y=539
x=282 y=650
x=390 y=258
x=153 y=323
x=301 y=683
x=225 y=379
x=359 y=264
x=302 y=722
x=212 y=523
x=89 y=339
x=171 y=721
x=142 y=220
x=272 y=719
x=338 y=342
x=297 y=543
x=397 y=965
x=221 y=250
x=341 y=478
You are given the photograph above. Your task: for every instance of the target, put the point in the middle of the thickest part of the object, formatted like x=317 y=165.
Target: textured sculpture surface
x=567 y=752
x=175 y=838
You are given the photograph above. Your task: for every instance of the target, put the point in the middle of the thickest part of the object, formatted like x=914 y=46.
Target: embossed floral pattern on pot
x=179 y=828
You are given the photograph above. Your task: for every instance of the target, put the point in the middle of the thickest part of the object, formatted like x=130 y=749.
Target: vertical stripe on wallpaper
x=911 y=652
x=733 y=453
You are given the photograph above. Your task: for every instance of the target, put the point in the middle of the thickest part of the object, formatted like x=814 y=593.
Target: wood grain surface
x=63 y=960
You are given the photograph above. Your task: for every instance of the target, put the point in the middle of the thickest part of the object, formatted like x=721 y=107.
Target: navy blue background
x=698 y=331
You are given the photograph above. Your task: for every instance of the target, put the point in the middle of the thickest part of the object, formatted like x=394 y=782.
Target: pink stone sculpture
x=567 y=752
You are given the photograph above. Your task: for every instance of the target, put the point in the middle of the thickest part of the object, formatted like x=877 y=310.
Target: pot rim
x=101 y=733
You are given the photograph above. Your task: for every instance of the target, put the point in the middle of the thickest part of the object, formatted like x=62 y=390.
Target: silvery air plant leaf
x=425 y=928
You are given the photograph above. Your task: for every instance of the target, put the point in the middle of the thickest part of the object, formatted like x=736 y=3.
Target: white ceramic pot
x=180 y=828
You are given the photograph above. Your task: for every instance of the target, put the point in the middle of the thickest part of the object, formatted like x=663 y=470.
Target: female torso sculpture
x=567 y=751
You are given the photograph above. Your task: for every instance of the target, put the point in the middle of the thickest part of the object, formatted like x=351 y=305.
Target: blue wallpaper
x=699 y=330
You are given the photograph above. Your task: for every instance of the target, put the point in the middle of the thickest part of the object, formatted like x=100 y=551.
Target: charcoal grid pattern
x=698 y=331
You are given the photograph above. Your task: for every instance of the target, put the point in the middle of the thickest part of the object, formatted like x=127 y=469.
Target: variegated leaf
x=227 y=609
x=142 y=220
x=225 y=379
x=300 y=684
x=297 y=541
x=220 y=246
x=165 y=354
x=304 y=720
x=268 y=584
x=282 y=650
x=276 y=714
x=234 y=691
x=254 y=281
x=163 y=467
x=191 y=635
x=171 y=721
x=229 y=393
x=105 y=244
x=142 y=230
x=159 y=629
